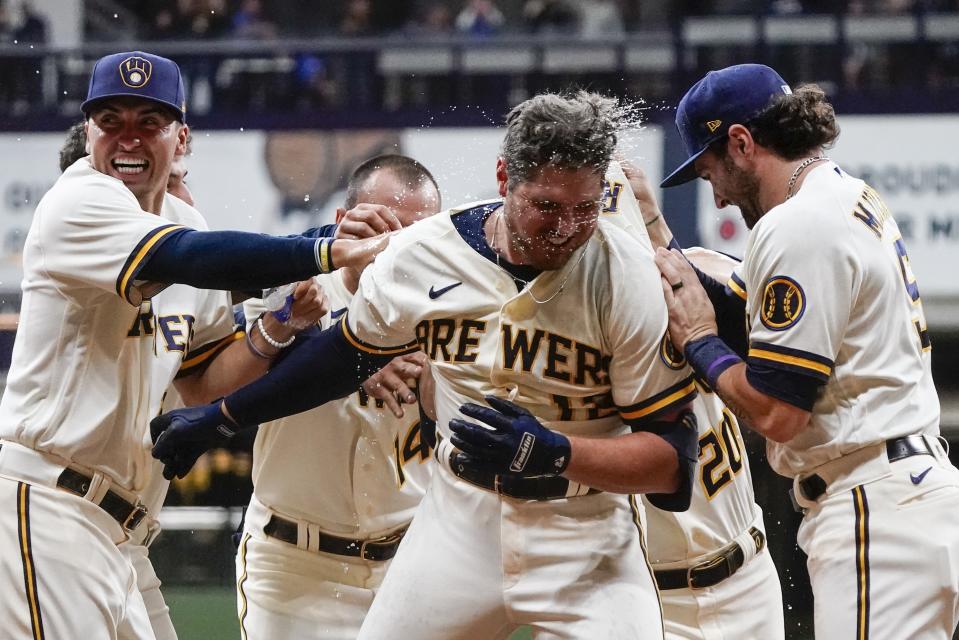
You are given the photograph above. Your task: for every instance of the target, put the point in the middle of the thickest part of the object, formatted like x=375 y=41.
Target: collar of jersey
x=469 y=224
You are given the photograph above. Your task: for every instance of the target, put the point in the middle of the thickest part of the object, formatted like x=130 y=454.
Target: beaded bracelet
x=269 y=339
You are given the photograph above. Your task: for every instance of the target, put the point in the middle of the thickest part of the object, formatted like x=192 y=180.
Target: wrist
x=710 y=357
x=325 y=254
x=277 y=344
x=276 y=329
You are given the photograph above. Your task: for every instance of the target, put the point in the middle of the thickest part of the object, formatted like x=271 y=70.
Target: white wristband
x=276 y=344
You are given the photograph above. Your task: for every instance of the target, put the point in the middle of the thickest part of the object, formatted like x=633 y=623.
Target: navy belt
x=711 y=571
x=815 y=486
x=376 y=549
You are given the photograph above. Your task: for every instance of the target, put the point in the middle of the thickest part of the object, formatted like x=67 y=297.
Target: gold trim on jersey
x=135 y=261
x=675 y=395
x=409 y=347
x=634 y=507
x=26 y=557
x=796 y=361
x=861 y=506
x=239 y=586
x=736 y=286
x=207 y=351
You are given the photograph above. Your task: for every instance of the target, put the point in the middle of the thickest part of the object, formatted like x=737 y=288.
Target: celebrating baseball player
x=837 y=374
x=543 y=325
x=334 y=488
x=102 y=335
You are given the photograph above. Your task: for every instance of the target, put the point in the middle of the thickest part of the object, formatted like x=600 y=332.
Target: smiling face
x=135 y=141
x=550 y=215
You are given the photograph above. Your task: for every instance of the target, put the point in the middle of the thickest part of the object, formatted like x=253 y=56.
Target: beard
x=743 y=188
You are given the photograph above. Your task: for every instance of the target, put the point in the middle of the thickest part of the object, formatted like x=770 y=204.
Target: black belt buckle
x=710 y=572
x=390 y=543
x=136 y=516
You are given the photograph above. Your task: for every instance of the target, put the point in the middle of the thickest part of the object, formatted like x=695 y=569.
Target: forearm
x=770 y=417
x=635 y=463
x=659 y=232
x=324 y=367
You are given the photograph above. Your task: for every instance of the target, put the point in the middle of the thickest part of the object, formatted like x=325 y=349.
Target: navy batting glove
x=183 y=435
x=517 y=444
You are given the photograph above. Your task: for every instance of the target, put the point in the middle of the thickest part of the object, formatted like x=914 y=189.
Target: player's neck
x=782 y=179
x=152 y=202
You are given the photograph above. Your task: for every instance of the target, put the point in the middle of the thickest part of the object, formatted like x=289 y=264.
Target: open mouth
x=129 y=166
x=558 y=241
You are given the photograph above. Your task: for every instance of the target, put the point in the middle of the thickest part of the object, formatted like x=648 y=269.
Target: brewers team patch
x=783 y=303
x=671 y=356
x=135 y=72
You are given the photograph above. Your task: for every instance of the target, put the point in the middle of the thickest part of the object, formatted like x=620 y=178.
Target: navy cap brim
x=88 y=105
x=684 y=173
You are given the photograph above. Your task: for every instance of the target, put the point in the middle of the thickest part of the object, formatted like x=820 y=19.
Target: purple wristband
x=710 y=356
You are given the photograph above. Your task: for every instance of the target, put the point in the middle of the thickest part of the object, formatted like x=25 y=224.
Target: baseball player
x=335 y=487
x=716 y=580
x=99 y=344
x=543 y=313
x=837 y=374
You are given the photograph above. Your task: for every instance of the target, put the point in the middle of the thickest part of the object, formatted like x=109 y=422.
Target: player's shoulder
x=818 y=215
x=179 y=212
x=619 y=246
x=81 y=184
x=436 y=234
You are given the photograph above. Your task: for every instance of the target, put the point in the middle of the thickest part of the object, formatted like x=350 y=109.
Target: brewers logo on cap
x=783 y=303
x=135 y=72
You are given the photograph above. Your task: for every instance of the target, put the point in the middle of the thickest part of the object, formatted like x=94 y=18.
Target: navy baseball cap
x=734 y=95
x=137 y=74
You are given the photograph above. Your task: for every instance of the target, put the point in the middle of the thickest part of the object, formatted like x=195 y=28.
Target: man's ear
x=182 y=136
x=740 y=143
x=86 y=135
x=501 y=178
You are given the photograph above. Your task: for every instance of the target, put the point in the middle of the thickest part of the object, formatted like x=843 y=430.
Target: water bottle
x=279 y=301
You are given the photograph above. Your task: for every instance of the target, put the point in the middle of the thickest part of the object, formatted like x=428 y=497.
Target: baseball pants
x=748 y=604
x=475 y=566
x=61 y=573
x=149 y=585
x=883 y=547
x=288 y=593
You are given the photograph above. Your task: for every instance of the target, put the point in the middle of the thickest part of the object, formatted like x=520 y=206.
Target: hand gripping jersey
x=831 y=295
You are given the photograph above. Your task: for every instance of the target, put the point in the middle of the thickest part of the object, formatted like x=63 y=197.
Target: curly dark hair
x=569 y=131
x=795 y=124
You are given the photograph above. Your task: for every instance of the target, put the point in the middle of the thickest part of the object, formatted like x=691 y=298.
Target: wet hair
x=405 y=169
x=567 y=131
x=795 y=124
x=74 y=147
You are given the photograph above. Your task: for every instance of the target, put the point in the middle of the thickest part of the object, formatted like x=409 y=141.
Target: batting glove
x=183 y=435
x=517 y=444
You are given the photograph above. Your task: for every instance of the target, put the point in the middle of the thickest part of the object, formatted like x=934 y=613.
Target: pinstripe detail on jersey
x=736 y=285
x=239 y=586
x=861 y=506
x=676 y=395
x=796 y=360
x=202 y=355
x=144 y=249
x=409 y=347
x=26 y=558
x=634 y=507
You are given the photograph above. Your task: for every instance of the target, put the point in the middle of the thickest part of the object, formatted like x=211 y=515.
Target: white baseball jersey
x=92 y=359
x=831 y=294
x=567 y=347
x=579 y=348
x=349 y=466
x=83 y=380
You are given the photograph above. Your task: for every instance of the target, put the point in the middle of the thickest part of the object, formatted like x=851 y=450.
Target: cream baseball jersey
x=577 y=346
x=830 y=294
x=349 y=466
x=87 y=394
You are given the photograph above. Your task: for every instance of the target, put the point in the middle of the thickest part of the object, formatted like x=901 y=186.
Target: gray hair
x=568 y=131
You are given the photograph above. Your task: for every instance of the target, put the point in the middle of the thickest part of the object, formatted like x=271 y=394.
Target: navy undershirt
x=469 y=224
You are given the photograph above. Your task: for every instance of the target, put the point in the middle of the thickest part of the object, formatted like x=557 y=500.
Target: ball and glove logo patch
x=783 y=303
x=670 y=355
x=135 y=72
